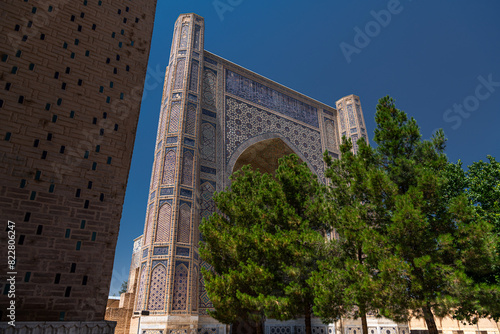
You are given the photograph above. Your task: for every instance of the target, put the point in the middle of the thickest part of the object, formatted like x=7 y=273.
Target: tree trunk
x=307 y=316
x=429 y=320
x=259 y=327
x=364 y=323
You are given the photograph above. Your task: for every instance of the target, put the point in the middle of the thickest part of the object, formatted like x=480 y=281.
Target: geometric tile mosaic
x=182 y=251
x=331 y=133
x=179 y=73
x=255 y=92
x=194 y=288
x=244 y=121
x=207 y=203
x=350 y=113
x=142 y=286
x=196 y=38
x=208 y=141
x=157 y=288
x=209 y=87
x=205 y=302
x=193 y=83
x=184 y=36
x=160 y=250
x=179 y=298
x=358 y=112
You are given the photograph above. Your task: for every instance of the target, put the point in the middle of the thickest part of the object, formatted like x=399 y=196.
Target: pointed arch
x=179 y=298
x=169 y=167
x=184 y=226
x=157 y=288
x=187 y=168
x=164 y=223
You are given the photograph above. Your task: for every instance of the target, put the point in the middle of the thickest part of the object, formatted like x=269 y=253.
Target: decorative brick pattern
x=184 y=36
x=207 y=202
x=352 y=118
x=194 y=288
x=267 y=97
x=182 y=251
x=179 y=73
x=187 y=168
x=157 y=288
x=175 y=115
x=331 y=134
x=209 y=87
x=149 y=226
x=208 y=150
x=354 y=139
x=196 y=38
x=244 y=121
x=184 y=227
x=74 y=70
x=169 y=167
x=208 y=330
x=157 y=166
x=190 y=124
x=142 y=287
x=160 y=250
x=164 y=223
x=205 y=302
x=342 y=119
x=179 y=298
x=360 y=117
x=193 y=81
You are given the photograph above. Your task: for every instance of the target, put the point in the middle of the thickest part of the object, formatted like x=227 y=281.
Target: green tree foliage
x=441 y=238
x=410 y=241
x=361 y=275
x=123 y=288
x=481 y=184
x=263 y=244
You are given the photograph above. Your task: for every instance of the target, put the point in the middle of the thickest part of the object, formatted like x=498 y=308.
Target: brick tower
x=72 y=75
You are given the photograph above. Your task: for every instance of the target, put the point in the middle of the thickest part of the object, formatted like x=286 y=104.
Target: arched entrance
x=262 y=153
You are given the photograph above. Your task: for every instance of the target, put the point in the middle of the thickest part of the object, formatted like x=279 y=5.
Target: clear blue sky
x=429 y=56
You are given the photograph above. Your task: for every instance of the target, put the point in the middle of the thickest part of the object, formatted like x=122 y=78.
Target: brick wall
x=72 y=75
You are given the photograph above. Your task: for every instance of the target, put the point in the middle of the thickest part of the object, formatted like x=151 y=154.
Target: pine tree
x=481 y=184
x=436 y=232
x=361 y=275
x=263 y=244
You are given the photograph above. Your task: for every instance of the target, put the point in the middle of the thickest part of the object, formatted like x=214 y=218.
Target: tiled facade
x=215 y=116
x=72 y=76
x=212 y=111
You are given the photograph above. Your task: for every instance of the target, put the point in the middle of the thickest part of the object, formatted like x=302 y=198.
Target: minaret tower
x=169 y=269
x=351 y=121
